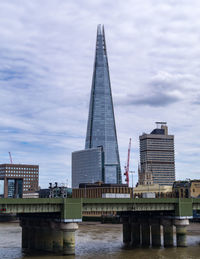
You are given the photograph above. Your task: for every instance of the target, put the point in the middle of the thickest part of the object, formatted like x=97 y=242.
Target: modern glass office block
x=87 y=166
x=101 y=129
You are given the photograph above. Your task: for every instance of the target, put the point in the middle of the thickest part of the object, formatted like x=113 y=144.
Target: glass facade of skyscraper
x=87 y=166
x=101 y=129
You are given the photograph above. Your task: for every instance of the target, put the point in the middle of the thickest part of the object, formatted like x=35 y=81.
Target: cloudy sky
x=46 y=62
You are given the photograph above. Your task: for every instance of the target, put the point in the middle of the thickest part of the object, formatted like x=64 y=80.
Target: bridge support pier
x=168 y=232
x=51 y=236
x=56 y=238
x=135 y=234
x=126 y=233
x=68 y=231
x=181 y=231
x=25 y=232
x=145 y=233
x=155 y=233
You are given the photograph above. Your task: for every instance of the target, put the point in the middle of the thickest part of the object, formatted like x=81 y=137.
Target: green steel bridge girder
x=71 y=209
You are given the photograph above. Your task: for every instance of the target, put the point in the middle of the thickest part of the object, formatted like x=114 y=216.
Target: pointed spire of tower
x=101 y=129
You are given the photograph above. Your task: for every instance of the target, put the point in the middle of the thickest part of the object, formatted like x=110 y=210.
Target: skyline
x=47 y=55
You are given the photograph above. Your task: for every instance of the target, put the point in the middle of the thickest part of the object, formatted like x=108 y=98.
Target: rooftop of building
x=185 y=183
x=100 y=185
x=18 y=165
x=161 y=130
x=158 y=131
x=153 y=188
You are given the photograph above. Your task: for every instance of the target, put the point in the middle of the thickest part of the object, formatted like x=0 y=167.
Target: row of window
x=19 y=168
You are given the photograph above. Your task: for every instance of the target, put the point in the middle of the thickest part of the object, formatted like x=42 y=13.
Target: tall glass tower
x=101 y=129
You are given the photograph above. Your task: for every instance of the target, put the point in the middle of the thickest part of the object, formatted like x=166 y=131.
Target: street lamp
x=132 y=172
x=85 y=184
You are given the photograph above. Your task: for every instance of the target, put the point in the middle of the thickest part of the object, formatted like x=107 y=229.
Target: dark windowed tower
x=101 y=129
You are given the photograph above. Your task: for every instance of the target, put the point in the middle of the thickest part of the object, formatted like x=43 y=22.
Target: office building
x=18 y=180
x=101 y=129
x=157 y=155
x=87 y=166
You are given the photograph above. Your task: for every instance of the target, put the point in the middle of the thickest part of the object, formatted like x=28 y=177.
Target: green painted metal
x=184 y=208
x=132 y=201
x=31 y=201
x=70 y=208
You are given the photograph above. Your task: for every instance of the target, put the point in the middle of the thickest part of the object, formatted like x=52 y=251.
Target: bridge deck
x=72 y=208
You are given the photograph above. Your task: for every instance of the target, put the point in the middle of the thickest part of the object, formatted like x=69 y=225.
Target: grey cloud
x=154 y=100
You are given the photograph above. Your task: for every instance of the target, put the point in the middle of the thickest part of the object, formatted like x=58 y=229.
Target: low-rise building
x=55 y=191
x=186 y=189
x=102 y=190
x=160 y=191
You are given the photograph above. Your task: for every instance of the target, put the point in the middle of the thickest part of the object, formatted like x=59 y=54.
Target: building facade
x=157 y=155
x=87 y=166
x=17 y=180
x=160 y=191
x=101 y=129
x=186 y=189
x=102 y=190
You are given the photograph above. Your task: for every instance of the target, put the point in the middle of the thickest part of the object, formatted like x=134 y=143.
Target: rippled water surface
x=95 y=240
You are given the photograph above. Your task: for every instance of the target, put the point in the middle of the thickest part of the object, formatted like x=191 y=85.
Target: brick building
x=102 y=190
x=17 y=180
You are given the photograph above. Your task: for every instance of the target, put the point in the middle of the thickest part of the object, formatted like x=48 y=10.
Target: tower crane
x=10 y=157
x=126 y=173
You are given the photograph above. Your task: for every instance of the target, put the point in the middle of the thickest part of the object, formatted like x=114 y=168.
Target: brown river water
x=95 y=240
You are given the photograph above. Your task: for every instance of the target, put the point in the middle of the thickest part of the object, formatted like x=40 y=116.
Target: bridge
x=50 y=223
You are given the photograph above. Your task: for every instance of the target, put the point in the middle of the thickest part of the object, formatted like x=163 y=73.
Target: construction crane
x=126 y=173
x=10 y=157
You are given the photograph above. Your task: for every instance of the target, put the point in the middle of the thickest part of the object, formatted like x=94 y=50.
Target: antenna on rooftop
x=160 y=123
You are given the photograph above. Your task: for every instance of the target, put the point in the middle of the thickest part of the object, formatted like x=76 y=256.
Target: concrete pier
x=155 y=233
x=168 y=232
x=181 y=231
x=48 y=235
x=126 y=233
x=135 y=234
x=68 y=231
x=56 y=238
x=25 y=232
x=145 y=234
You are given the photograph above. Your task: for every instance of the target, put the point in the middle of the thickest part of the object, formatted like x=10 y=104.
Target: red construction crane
x=10 y=157
x=126 y=173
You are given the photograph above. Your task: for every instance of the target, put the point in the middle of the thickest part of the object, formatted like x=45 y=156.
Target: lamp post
x=132 y=172
x=85 y=185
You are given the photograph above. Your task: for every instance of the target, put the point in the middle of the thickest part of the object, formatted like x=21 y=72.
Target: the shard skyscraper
x=101 y=147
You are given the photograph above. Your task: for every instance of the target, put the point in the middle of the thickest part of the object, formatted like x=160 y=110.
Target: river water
x=98 y=241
